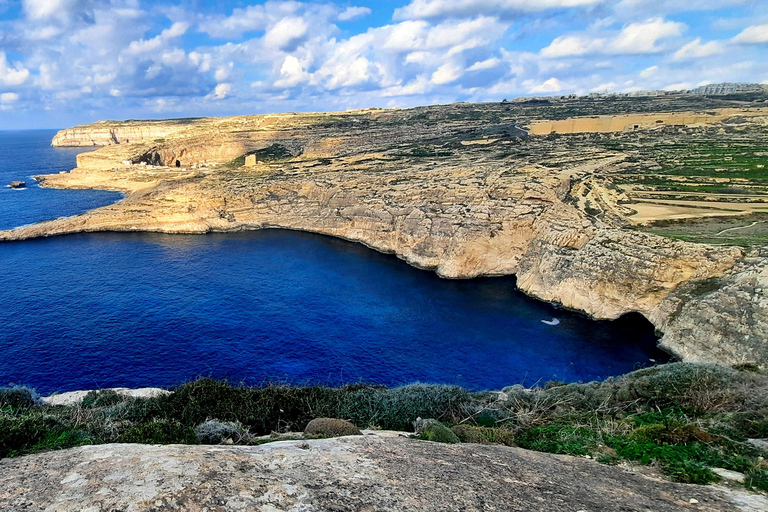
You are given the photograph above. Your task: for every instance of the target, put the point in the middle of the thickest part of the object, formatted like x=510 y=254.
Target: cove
x=125 y=309
x=28 y=153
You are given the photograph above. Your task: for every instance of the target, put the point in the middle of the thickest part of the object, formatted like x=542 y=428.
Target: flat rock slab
x=360 y=473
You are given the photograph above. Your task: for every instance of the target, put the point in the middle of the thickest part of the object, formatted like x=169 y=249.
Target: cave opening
x=178 y=163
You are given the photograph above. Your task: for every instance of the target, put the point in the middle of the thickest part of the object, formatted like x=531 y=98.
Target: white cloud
x=9 y=97
x=485 y=64
x=286 y=32
x=551 y=85
x=642 y=37
x=252 y=18
x=352 y=13
x=424 y=9
x=447 y=73
x=291 y=73
x=696 y=50
x=12 y=75
x=649 y=72
x=633 y=39
x=144 y=46
x=222 y=91
x=571 y=46
x=755 y=34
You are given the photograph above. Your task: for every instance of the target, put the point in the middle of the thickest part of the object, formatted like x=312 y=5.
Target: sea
x=98 y=310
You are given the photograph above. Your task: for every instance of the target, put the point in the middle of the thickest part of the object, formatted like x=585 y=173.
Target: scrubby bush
x=439 y=433
x=17 y=397
x=217 y=432
x=19 y=434
x=159 y=432
x=331 y=427
x=483 y=435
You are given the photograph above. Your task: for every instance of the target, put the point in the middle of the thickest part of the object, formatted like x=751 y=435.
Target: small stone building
x=250 y=160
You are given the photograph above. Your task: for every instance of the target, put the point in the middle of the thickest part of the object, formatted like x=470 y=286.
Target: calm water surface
x=25 y=154
x=99 y=310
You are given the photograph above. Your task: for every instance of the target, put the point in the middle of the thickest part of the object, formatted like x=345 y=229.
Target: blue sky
x=65 y=62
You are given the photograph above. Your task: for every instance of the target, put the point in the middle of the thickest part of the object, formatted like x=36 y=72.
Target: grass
x=683 y=418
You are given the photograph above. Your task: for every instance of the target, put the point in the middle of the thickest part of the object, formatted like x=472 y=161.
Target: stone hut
x=250 y=160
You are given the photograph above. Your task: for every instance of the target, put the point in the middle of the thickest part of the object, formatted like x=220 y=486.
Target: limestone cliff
x=418 y=184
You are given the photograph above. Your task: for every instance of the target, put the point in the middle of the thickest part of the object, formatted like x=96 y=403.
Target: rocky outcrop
x=105 y=133
x=17 y=184
x=360 y=473
x=721 y=318
x=403 y=182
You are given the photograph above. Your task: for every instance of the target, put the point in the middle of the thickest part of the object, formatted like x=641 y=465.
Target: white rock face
x=358 y=473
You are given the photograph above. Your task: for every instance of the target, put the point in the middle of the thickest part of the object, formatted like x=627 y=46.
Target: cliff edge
x=458 y=189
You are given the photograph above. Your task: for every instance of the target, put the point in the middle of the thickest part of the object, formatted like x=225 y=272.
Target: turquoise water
x=126 y=309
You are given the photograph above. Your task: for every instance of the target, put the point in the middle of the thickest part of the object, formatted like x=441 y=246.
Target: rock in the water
x=360 y=473
x=17 y=184
x=331 y=427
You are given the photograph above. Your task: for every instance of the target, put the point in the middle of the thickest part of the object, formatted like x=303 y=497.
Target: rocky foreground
x=381 y=472
x=461 y=190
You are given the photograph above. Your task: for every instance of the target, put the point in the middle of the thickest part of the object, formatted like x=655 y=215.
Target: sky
x=67 y=62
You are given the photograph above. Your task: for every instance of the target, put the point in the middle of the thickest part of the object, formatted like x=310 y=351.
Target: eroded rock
x=359 y=473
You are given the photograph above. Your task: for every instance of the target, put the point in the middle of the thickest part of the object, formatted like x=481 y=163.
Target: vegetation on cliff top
x=684 y=418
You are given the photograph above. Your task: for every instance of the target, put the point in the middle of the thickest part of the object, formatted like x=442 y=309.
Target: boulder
x=17 y=184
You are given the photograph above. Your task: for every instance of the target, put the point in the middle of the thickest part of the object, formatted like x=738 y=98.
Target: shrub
x=439 y=433
x=397 y=408
x=330 y=427
x=757 y=479
x=17 y=397
x=217 y=432
x=20 y=434
x=159 y=432
x=483 y=435
x=703 y=387
x=102 y=398
x=564 y=439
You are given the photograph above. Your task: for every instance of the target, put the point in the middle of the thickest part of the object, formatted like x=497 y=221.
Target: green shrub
x=556 y=438
x=331 y=427
x=439 y=433
x=159 y=432
x=757 y=479
x=397 y=408
x=483 y=435
x=19 y=434
x=689 y=472
x=63 y=439
x=17 y=397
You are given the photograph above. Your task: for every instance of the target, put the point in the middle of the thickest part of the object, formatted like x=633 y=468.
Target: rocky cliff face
x=419 y=184
x=105 y=133
x=380 y=472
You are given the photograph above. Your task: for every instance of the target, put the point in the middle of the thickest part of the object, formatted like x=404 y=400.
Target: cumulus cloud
x=12 y=75
x=549 y=86
x=696 y=50
x=634 y=38
x=353 y=13
x=221 y=91
x=756 y=34
x=425 y=9
x=286 y=33
x=9 y=97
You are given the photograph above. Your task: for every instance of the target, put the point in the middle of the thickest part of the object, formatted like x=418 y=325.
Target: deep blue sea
x=125 y=309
